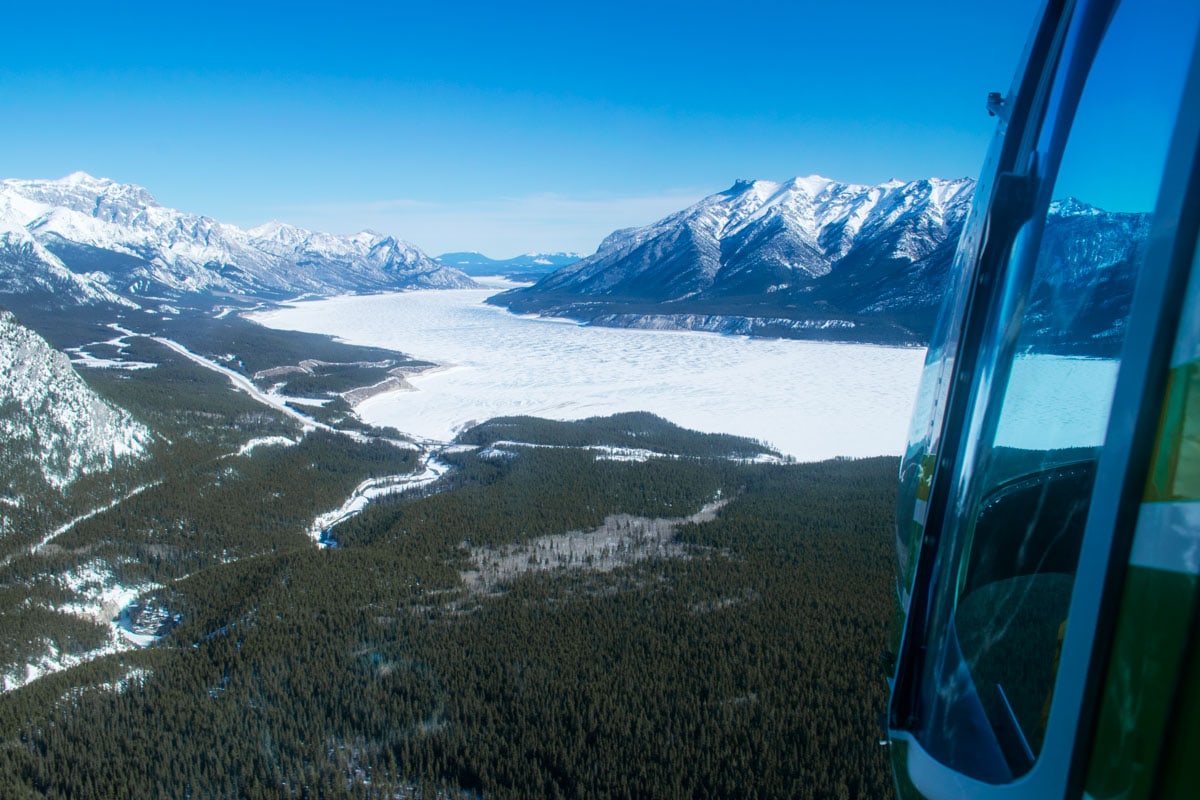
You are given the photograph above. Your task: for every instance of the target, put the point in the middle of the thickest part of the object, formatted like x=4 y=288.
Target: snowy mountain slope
x=814 y=258
x=26 y=267
x=53 y=428
x=1083 y=284
x=367 y=258
x=809 y=249
x=120 y=235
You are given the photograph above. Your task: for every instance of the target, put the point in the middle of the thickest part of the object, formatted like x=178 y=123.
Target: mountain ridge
x=117 y=236
x=802 y=252
x=477 y=264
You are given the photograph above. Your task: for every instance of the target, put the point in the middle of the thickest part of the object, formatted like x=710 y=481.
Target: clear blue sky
x=498 y=126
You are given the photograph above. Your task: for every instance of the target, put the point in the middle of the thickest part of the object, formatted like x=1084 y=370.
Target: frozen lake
x=809 y=400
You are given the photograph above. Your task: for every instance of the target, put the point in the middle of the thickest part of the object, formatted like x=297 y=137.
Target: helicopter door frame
x=1061 y=768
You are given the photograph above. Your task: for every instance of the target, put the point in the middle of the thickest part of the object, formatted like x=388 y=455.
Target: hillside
x=808 y=258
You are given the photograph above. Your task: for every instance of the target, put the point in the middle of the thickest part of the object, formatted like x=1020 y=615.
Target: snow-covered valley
x=810 y=400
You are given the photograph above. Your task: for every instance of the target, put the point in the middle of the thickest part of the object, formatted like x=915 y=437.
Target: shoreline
x=810 y=400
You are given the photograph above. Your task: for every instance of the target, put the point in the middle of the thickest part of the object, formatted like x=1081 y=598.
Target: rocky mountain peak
x=53 y=427
x=121 y=236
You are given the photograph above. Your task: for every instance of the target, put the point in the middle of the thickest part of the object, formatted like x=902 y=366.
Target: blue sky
x=500 y=127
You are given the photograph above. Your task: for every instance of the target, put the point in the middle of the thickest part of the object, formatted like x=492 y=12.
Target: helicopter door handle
x=997 y=106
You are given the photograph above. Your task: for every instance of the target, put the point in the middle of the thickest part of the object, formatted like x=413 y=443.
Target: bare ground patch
x=621 y=540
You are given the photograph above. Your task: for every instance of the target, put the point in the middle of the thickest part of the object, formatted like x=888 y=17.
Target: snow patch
x=264 y=441
x=82 y=358
x=370 y=489
x=100 y=598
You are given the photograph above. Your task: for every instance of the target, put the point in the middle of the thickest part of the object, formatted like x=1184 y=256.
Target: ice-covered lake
x=809 y=400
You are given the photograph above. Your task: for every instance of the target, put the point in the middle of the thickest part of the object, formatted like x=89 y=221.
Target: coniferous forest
x=547 y=619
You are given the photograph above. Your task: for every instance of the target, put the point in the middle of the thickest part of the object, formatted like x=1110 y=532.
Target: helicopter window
x=1043 y=393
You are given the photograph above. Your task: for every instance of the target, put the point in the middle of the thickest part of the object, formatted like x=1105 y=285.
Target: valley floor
x=808 y=400
x=531 y=609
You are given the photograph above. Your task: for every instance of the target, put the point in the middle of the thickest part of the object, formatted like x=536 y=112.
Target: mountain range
x=810 y=257
x=106 y=241
x=806 y=258
x=478 y=264
x=815 y=258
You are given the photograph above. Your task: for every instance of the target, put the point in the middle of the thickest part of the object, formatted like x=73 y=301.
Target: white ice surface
x=1057 y=401
x=810 y=400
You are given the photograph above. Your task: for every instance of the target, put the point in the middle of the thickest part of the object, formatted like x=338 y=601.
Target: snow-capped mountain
x=474 y=263
x=1083 y=284
x=53 y=427
x=26 y=267
x=119 y=236
x=810 y=254
x=814 y=258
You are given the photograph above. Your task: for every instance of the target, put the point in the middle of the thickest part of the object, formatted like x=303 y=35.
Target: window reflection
x=1001 y=609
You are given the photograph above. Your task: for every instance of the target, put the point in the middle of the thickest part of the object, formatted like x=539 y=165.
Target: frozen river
x=809 y=400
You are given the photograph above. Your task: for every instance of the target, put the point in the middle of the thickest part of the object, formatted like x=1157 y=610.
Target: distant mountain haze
x=479 y=264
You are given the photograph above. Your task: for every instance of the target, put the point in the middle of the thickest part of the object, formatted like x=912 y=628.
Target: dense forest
x=747 y=668
x=666 y=614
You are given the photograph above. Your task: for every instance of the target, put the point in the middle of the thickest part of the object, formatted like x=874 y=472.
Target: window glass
x=916 y=466
x=1044 y=390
